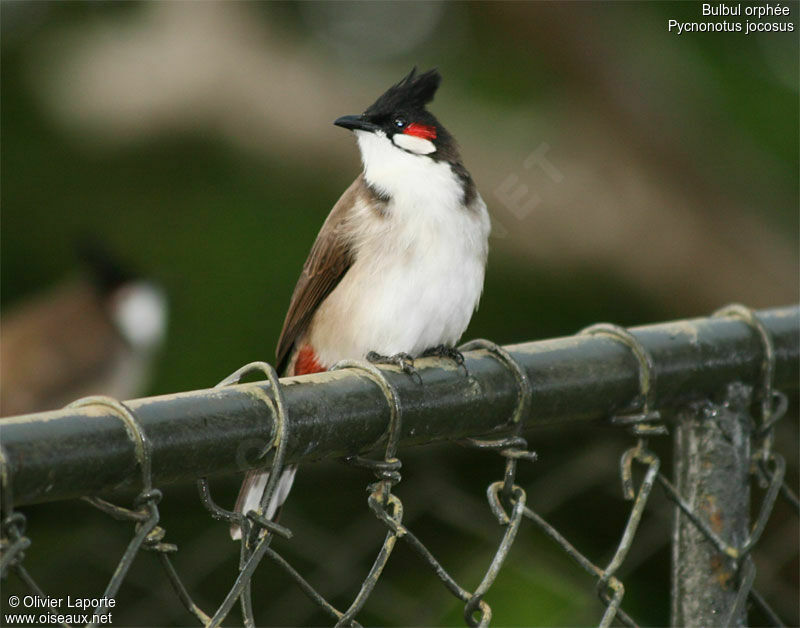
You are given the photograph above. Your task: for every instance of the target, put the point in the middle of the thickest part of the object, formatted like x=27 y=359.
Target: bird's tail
x=255 y=482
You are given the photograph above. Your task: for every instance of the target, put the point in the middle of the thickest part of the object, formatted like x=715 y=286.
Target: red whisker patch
x=307 y=362
x=421 y=130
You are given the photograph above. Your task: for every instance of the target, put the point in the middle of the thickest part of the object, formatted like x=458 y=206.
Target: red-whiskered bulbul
x=83 y=337
x=397 y=268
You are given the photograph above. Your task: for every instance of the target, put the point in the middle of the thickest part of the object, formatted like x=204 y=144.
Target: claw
x=403 y=360
x=450 y=353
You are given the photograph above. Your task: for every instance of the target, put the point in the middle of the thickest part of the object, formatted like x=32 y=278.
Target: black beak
x=356 y=123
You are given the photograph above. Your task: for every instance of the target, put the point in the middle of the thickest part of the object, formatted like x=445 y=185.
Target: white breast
x=419 y=267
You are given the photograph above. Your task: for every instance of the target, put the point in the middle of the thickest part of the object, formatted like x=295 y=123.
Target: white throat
x=401 y=174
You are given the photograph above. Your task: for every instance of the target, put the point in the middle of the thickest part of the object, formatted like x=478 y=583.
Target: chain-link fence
x=697 y=378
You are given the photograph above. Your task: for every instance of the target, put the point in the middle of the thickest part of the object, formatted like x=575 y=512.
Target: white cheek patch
x=418 y=145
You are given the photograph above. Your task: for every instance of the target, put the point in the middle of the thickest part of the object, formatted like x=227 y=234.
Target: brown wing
x=330 y=258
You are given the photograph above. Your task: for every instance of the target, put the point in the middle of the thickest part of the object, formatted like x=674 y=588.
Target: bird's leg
x=403 y=360
x=449 y=353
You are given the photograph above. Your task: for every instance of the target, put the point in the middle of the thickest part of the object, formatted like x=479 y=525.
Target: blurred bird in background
x=96 y=335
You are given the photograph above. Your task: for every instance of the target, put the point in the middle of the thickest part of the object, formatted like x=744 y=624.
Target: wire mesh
x=507 y=501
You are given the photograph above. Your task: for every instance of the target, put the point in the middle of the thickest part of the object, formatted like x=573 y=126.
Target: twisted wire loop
x=524 y=386
x=773 y=406
x=512 y=524
x=257 y=531
x=144 y=514
x=766 y=396
x=13 y=541
x=505 y=495
x=515 y=447
x=641 y=454
x=769 y=467
x=642 y=423
x=387 y=507
x=145 y=511
x=217 y=512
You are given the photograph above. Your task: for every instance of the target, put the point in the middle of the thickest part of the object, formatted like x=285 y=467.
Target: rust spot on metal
x=716 y=521
x=715 y=517
x=725 y=577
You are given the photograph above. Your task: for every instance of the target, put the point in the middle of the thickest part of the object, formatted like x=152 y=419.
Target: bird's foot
x=403 y=360
x=449 y=353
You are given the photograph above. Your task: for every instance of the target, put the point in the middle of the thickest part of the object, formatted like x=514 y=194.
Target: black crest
x=412 y=93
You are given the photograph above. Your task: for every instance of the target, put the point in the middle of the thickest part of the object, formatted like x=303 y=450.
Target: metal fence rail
x=703 y=376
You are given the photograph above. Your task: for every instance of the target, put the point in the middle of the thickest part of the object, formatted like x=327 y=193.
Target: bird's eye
x=400 y=122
